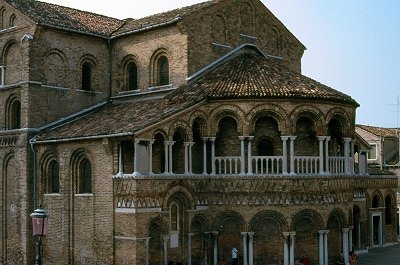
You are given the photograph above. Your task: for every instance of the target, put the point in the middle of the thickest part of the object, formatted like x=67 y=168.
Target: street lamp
x=39 y=225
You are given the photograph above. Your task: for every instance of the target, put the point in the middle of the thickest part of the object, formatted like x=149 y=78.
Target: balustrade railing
x=306 y=164
x=227 y=165
x=267 y=165
x=336 y=164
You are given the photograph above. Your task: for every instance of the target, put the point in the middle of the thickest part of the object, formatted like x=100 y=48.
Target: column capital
x=292 y=233
x=165 y=237
x=212 y=139
x=347 y=139
x=251 y=234
x=151 y=141
x=321 y=138
x=244 y=233
x=292 y=137
x=186 y=143
x=286 y=234
x=205 y=139
x=214 y=233
x=321 y=232
x=242 y=138
x=327 y=138
x=351 y=227
x=284 y=138
x=345 y=229
x=190 y=234
x=327 y=231
x=250 y=138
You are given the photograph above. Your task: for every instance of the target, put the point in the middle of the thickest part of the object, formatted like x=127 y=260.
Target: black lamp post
x=39 y=225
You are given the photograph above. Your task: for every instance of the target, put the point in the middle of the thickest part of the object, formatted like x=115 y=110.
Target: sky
x=352 y=45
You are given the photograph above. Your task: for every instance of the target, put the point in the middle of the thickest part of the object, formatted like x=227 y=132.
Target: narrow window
x=11 y=22
x=132 y=77
x=371 y=154
x=163 y=71
x=54 y=178
x=85 y=177
x=86 y=76
x=15 y=115
x=174 y=217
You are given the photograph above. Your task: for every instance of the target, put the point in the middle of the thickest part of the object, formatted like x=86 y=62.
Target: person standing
x=235 y=258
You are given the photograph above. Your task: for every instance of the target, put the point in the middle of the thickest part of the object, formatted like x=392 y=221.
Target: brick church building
x=177 y=137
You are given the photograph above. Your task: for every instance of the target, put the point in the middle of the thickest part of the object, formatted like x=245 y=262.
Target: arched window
x=163 y=71
x=132 y=76
x=375 y=202
x=15 y=115
x=11 y=22
x=86 y=76
x=84 y=178
x=53 y=182
x=2 y=75
x=388 y=210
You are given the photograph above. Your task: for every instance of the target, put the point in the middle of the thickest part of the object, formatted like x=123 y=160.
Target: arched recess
x=55 y=68
x=159 y=152
x=306 y=224
x=268 y=227
x=198 y=227
x=377 y=199
x=12 y=61
x=271 y=110
x=49 y=173
x=390 y=208
x=11 y=21
x=314 y=113
x=229 y=224
x=344 y=119
x=11 y=211
x=178 y=203
x=82 y=171
x=247 y=18
x=160 y=68
x=198 y=131
x=306 y=142
x=157 y=228
x=227 y=141
x=336 y=221
x=2 y=17
x=219 y=29
x=178 y=150
x=13 y=113
x=130 y=73
x=335 y=131
x=227 y=110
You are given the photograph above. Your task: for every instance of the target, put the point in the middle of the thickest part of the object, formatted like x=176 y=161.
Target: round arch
x=227 y=110
x=312 y=112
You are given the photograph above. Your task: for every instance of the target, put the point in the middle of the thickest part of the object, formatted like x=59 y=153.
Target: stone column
x=321 y=140
x=215 y=237
x=284 y=154
x=135 y=159
x=327 y=169
x=189 y=250
x=347 y=155
x=120 y=161
x=186 y=144
x=244 y=234
x=166 y=144
x=321 y=247
x=212 y=139
x=242 y=154
x=165 y=240
x=351 y=238
x=292 y=234
x=249 y=165
x=353 y=158
x=190 y=158
x=286 y=248
x=326 y=247
x=345 y=237
x=151 y=142
x=292 y=138
x=171 y=143
x=147 y=249
x=251 y=234
x=205 y=139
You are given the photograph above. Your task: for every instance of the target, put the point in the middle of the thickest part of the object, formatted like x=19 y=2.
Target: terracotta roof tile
x=165 y=17
x=380 y=131
x=67 y=18
x=246 y=75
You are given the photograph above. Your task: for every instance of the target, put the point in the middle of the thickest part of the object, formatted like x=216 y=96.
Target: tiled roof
x=380 y=131
x=247 y=74
x=161 y=18
x=67 y=18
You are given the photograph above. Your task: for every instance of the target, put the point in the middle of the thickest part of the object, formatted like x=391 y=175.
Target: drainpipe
x=34 y=175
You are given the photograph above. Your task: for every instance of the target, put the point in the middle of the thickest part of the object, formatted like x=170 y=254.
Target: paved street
x=381 y=256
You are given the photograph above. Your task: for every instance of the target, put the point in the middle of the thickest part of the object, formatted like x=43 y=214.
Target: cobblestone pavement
x=381 y=256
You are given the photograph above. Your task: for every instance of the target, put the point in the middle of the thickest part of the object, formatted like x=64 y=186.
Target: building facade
x=176 y=137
